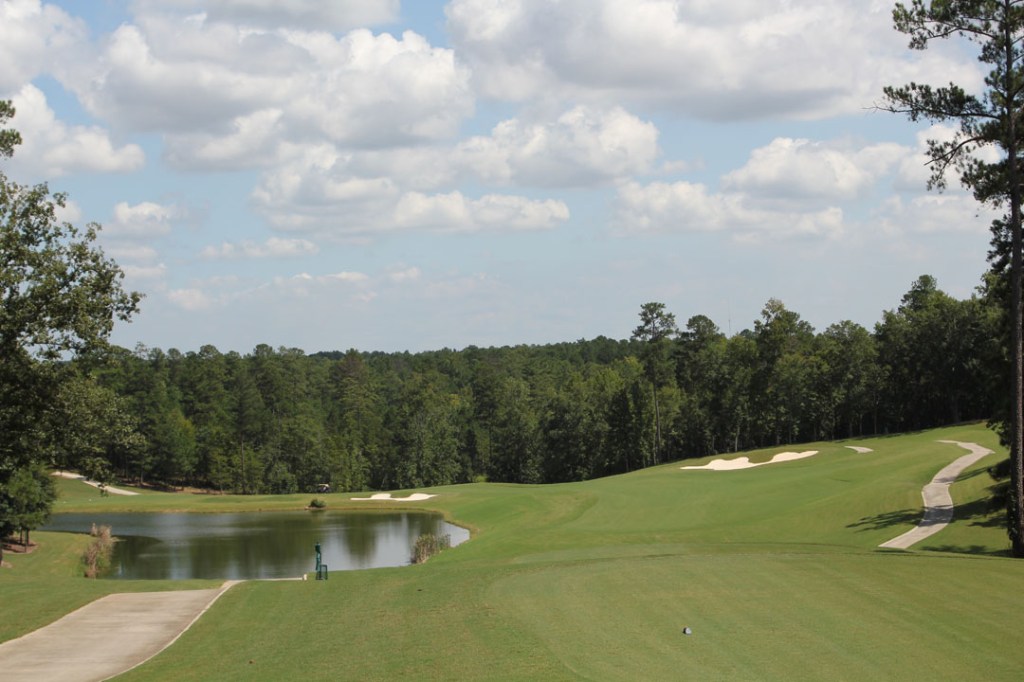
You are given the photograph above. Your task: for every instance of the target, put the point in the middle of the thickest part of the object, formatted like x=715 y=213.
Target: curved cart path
x=106 y=637
x=938 y=504
x=79 y=477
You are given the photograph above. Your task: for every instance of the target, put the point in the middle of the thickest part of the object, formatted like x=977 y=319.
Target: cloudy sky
x=417 y=174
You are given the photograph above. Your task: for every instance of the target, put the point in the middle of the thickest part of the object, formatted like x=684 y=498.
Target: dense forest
x=278 y=420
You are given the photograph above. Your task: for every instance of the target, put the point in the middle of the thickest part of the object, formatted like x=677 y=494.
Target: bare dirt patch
x=15 y=547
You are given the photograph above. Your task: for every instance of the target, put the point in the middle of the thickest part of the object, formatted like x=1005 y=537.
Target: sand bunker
x=859 y=449
x=745 y=463
x=415 y=497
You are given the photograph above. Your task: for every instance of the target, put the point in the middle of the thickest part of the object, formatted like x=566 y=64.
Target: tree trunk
x=657 y=426
x=1016 y=501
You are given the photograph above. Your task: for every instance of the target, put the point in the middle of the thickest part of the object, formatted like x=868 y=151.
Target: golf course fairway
x=774 y=570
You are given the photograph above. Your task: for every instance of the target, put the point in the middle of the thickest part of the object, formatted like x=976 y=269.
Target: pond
x=238 y=546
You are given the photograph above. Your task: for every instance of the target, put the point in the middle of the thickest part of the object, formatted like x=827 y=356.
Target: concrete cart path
x=79 y=477
x=106 y=637
x=938 y=504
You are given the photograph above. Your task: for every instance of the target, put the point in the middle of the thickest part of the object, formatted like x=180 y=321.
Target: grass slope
x=776 y=570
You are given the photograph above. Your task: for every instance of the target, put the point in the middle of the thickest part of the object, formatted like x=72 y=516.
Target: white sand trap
x=79 y=477
x=859 y=449
x=745 y=463
x=415 y=497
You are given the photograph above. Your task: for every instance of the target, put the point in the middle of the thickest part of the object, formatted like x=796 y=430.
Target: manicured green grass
x=776 y=570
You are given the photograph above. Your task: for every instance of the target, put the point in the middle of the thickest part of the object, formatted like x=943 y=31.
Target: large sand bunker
x=745 y=463
x=415 y=497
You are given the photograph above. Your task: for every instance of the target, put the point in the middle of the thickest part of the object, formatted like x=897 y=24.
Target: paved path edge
x=88 y=644
x=938 y=503
x=223 y=588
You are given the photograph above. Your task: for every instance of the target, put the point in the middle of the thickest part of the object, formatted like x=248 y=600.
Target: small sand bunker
x=745 y=463
x=859 y=449
x=415 y=497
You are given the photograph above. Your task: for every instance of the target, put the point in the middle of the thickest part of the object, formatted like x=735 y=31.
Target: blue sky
x=391 y=175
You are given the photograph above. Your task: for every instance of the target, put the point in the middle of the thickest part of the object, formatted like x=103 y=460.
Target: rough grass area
x=775 y=569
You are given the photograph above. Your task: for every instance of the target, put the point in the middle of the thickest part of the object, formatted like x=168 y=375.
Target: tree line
x=278 y=420
x=281 y=421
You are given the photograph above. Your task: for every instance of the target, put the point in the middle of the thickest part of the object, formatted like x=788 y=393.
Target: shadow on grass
x=977 y=550
x=972 y=474
x=887 y=520
x=987 y=512
x=984 y=513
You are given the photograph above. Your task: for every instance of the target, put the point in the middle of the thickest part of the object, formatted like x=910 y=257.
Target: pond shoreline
x=244 y=545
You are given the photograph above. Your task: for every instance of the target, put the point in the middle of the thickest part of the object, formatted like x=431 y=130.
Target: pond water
x=238 y=546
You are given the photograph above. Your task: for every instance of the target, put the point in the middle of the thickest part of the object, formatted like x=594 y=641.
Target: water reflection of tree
x=367 y=535
x=263 y=545
x=358 y=533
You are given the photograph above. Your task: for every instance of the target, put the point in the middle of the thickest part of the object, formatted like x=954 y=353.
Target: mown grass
x=776 y=570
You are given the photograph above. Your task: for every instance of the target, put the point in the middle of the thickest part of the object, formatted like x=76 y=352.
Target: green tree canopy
x=989 y=120
x=657 y=327
x=59 y=297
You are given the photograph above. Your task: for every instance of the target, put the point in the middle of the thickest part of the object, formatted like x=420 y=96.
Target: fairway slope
x=776 y=570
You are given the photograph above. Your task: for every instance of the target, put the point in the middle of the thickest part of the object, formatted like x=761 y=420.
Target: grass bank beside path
x=775 y=569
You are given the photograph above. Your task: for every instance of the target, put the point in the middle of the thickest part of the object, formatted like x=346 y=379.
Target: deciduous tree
x=59 y=297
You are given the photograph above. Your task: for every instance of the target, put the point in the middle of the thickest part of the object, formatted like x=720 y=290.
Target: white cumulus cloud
x=35 y=38
x=263 y=89
x=251 y=140
x=319 y=193
x=132 y=252
x=800 y=169
x=142 y=220
x=144 y=272
x=190 y=299
x=661 y=207
x=935 y=213
x=454 y=212
x=717 y=60
x=337 y=15
x=344 y=276
x=275 y=247
x=405 y=275
x=52 y=148
x=582 y=147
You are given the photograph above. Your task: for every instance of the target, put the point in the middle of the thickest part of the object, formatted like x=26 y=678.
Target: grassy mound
x=775 y=570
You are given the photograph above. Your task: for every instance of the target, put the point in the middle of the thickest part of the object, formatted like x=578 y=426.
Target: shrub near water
x=429 y=544
x=97 y=554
